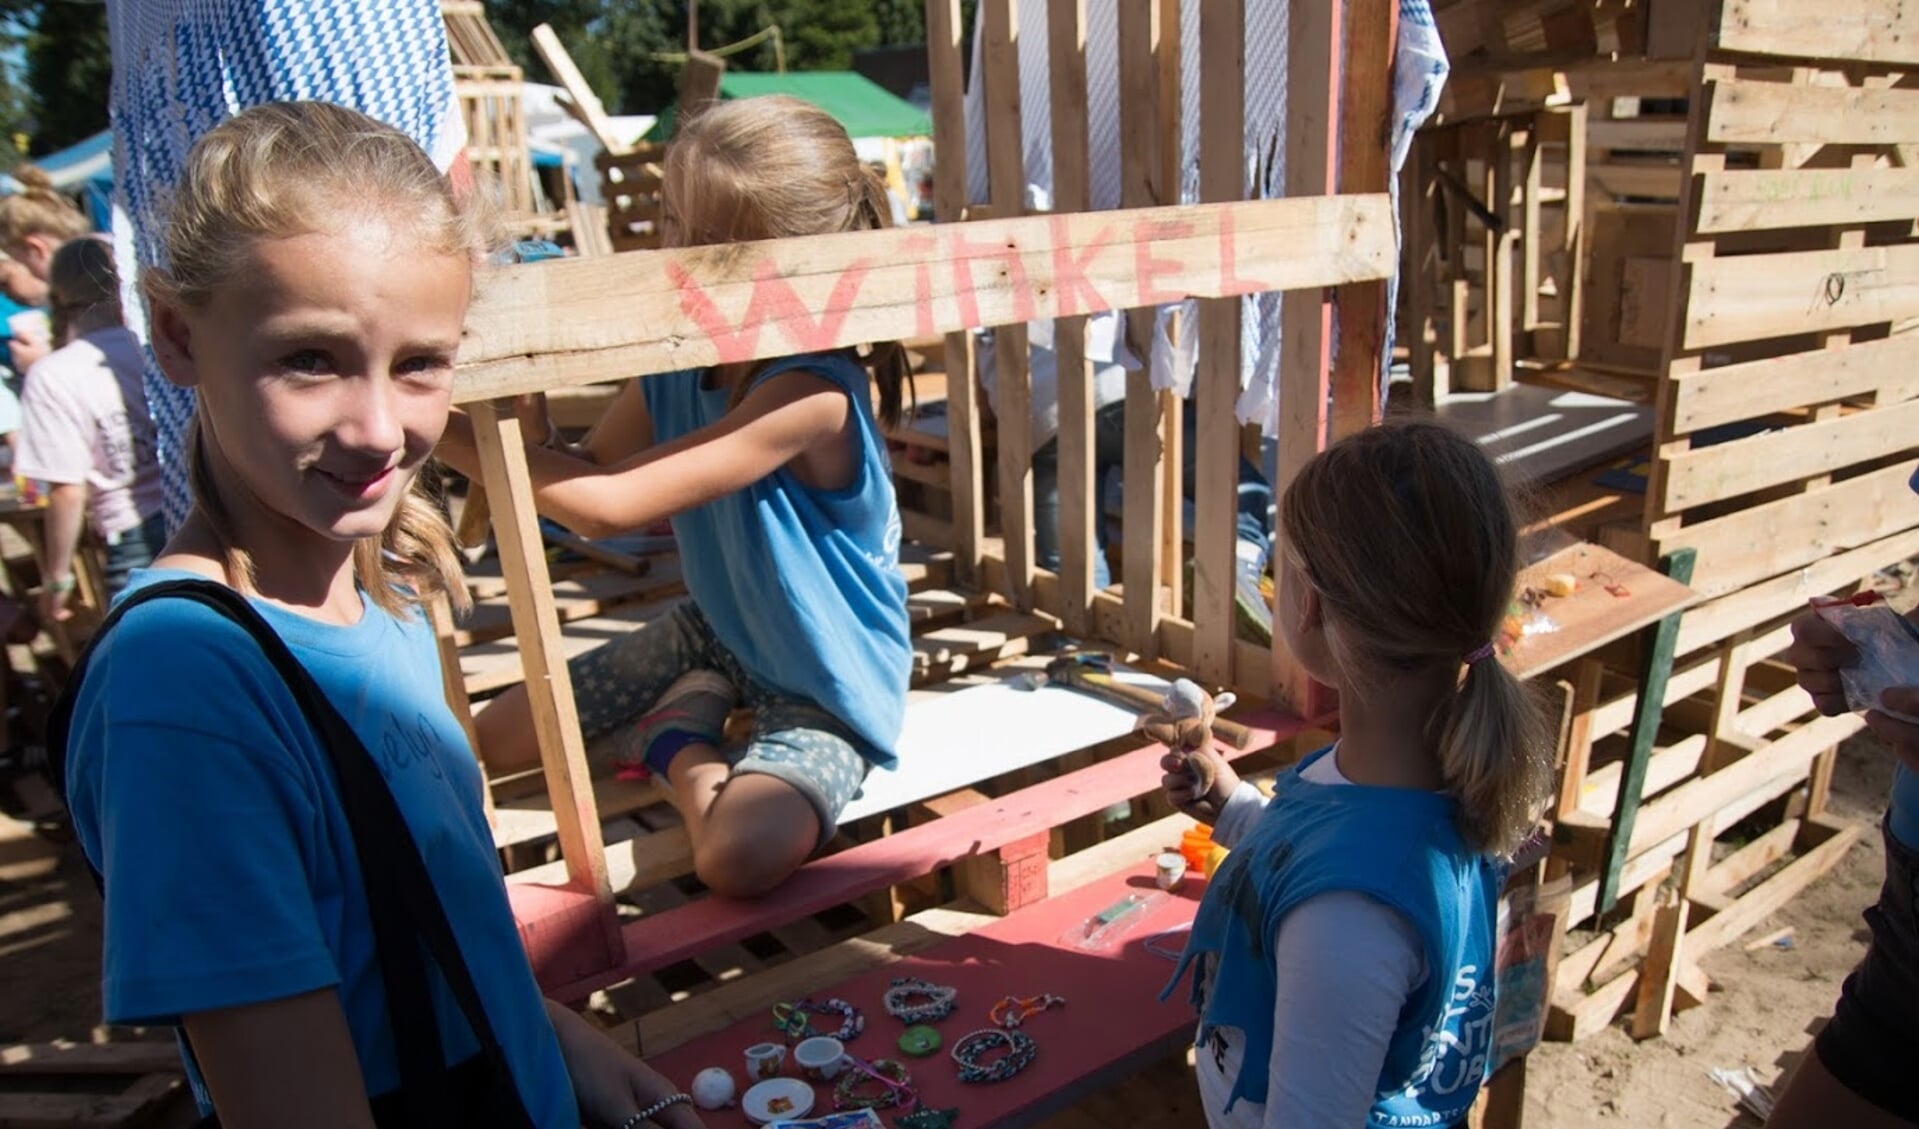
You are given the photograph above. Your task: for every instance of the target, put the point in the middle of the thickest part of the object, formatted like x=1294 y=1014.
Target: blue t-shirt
x=201 y=794
x=1400 y=847
x=803 y=586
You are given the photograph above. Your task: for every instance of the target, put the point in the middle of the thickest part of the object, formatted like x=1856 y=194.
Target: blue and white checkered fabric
x=181 y=67
x=1419 y=75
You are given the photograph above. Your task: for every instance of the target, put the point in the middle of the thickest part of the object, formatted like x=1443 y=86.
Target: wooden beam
x=1012 y=382
x=965 y=452
x=1763 y=900
x=1752 y=297
x=1755 y=604
x=1753 y=389
x=1313 y=61
x=1744 y=112
x=1766 y=199
x=586 y=104
x=1865 y=31
x=1744 y=466
x=1222 y=178
x=1143 y=167
x=660 y=311
x=1079 y=494
x=1365 y=165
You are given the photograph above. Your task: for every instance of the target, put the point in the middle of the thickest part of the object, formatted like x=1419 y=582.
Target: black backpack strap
x=404 y=904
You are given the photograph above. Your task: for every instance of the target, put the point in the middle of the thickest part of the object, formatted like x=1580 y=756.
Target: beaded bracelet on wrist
x=792 y=1020
x=912 y=1000
x=880 y=1084
x=654 y=1110
x=1020 y=1052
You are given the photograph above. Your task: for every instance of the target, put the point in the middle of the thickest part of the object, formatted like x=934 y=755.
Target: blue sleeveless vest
x=1400 y=847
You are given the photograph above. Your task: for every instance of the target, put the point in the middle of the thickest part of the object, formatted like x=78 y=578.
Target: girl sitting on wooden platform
x=776 y=478
x=1343 y=954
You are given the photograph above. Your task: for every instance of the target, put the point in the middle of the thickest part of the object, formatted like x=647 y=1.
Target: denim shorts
x=1872 y=1043
x=792 y=739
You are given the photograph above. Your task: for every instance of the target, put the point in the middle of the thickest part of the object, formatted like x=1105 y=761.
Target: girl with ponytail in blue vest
x=1342 y=958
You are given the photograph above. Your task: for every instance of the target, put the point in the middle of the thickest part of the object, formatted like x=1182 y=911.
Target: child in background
x=34 y=223
x=1343 y=954
x=776 y=479
x=318 y=279
x=86 y=432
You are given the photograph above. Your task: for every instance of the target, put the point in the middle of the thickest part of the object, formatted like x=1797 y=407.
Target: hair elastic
x=1484 y=652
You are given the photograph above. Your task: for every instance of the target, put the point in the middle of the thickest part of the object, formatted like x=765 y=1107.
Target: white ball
x=713 y=1088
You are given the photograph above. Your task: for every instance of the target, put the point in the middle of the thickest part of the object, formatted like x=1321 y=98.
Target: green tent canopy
x=864 y=107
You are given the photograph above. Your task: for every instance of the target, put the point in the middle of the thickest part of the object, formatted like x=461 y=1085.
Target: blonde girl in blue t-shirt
x=320 y=269
x=775 y=476
x=1344 y=950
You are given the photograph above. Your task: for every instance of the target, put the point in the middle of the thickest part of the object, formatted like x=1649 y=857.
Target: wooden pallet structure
x=93 y=1086
x=615 y=911
x=490 y=88
x=1780 y=467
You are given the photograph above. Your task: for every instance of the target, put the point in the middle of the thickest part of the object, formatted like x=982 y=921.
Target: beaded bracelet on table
x=934 y=1001
x=880 y=1084
x=791 y=1019
x=1020 y=1052
x=1014 y=1010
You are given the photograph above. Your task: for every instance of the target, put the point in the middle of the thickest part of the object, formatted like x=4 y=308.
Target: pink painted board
x=1112 y=1021
x=658 y=940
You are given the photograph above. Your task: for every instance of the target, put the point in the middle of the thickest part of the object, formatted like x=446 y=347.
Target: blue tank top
x=1395 y=845
x=803 y=586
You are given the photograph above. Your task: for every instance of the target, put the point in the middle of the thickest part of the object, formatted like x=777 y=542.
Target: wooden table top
x=1592 y=616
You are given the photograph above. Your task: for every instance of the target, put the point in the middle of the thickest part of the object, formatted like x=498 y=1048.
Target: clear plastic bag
x=1888 y=646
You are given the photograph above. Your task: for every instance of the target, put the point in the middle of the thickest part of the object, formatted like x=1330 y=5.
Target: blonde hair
x=80 y=281
x=774 y=167
x=1407 y=535
x=289 y=168
x=39 y=209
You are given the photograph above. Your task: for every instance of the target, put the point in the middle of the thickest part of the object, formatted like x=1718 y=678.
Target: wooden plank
x=1013 y=404
x=1743 y=112
x=1222 y=177
x=1745 y=546
x=586 y=104
x=1763 y=900
x=910 y=853
x=1743 y=466
x=1654 y=671
x=1753 y=297
x=1767 y=199
x=1708 y=623
x=1079 y=495
x=529 y=588
x=1647 y=181
x=1146 y=528
x=88 y=1111
x=1731 y=393
x=1867 y=31
x=1365 y=111
x=660 y=311
x=1738 y=868
x=24 y=1059
x=1313 y=59
x=1659 y=135
x=945 y=74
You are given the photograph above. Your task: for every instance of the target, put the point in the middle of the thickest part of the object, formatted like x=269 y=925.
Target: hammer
x=1093 y=674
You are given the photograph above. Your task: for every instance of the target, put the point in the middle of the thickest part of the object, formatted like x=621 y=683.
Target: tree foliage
x=69 y=72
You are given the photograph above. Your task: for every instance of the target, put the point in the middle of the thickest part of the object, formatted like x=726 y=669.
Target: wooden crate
x=630 y=183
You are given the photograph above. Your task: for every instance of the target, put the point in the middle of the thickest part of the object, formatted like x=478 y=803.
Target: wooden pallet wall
x=1785 y=439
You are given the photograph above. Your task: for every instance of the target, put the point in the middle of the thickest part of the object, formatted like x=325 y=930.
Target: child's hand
x=1198 y=783
x=610 y=1084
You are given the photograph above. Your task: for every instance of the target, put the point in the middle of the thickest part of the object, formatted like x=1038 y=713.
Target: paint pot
x=763 y=1060
x=820 y=1058
x=1171 y=870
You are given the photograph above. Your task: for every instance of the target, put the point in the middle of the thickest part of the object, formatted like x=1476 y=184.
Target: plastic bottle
x=1197 y=847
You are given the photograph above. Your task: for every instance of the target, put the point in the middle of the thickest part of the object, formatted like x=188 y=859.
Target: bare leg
x=749 y=832
x=1814 y=1099
x=504 y=726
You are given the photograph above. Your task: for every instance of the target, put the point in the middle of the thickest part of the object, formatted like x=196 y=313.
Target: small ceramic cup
x=1172 y=870
x=763 y=1060
x=820 y=1058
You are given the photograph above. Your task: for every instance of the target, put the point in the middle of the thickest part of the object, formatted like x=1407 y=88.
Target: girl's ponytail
x=1493 y=748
